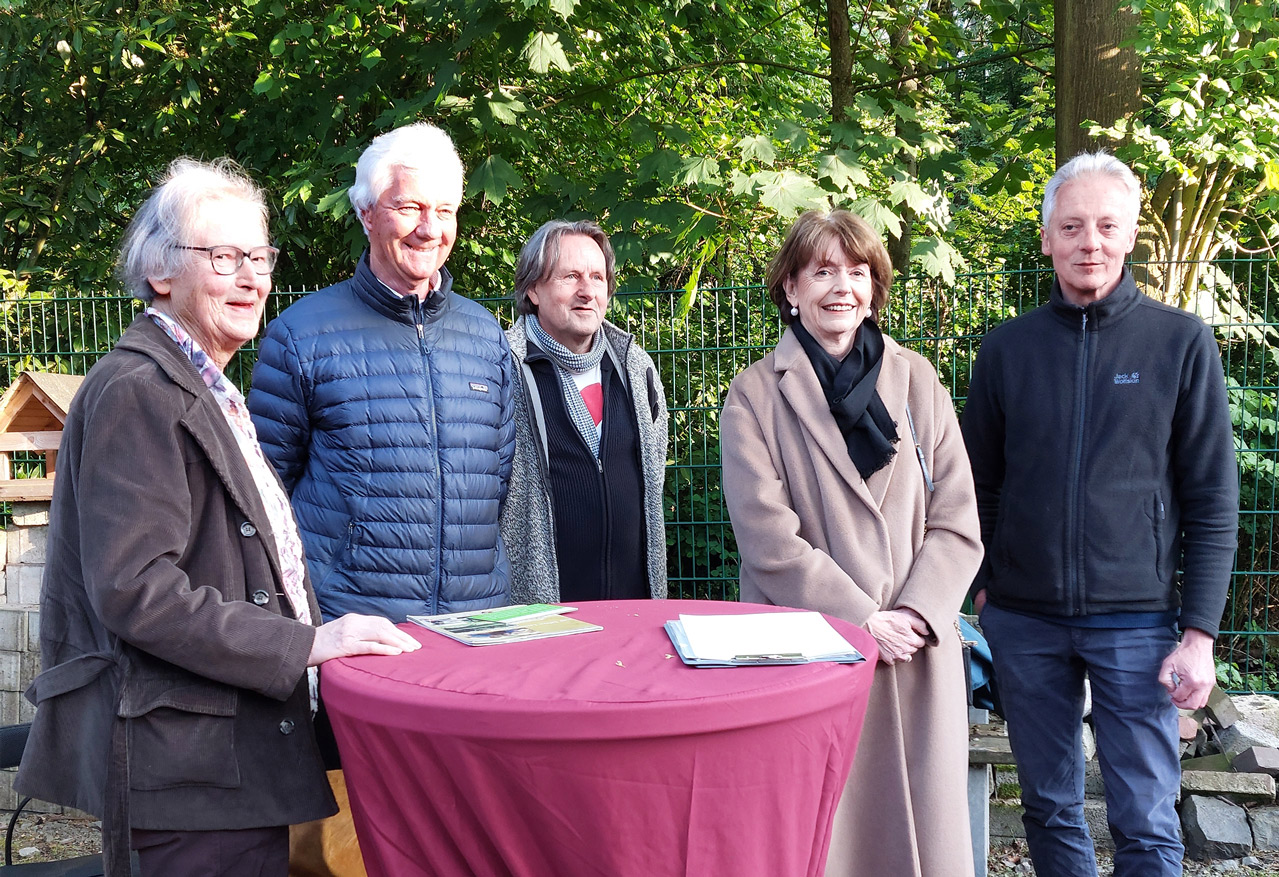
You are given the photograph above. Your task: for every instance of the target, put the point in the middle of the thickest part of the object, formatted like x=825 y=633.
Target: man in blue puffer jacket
x=385 y=403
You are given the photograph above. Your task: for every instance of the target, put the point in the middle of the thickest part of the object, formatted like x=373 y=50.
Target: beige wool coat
x=814 y=534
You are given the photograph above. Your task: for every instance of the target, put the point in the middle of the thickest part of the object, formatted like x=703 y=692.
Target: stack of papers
x=509 y=624
x=759 y=638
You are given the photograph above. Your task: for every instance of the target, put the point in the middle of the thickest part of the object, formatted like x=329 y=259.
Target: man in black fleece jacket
x=1100 y=440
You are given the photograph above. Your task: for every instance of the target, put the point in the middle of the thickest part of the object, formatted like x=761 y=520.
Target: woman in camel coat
x=834 y=511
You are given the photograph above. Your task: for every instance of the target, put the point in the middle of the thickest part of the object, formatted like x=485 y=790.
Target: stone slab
x=1006 y=823
x=1219 y=762
x=1242 y=788
x=1265 y=827
x=1214 y=829
x=1258 y=759
x=22 y=583
x=1094 y=786
x=13 y=629
x=1221 y=709
x=33 y=629
x=990 y=750
x=31 y=514
x=1258 y=724
x=10 y=671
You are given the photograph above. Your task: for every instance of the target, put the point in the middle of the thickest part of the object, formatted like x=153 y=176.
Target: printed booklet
x=509 y=624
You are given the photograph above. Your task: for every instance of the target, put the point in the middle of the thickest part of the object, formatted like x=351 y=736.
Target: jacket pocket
x=339 y=556
x=1160 y=517
x=180 y=734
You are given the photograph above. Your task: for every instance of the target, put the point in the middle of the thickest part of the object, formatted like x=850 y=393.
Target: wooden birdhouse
x=32 y=413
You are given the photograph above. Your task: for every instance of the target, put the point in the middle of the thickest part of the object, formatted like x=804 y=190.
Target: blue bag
x=979 y=667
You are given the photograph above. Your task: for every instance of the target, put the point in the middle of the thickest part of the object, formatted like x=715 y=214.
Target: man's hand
x=899 y=632
x=979 y=600
x=1189 y=672
x=359 y=635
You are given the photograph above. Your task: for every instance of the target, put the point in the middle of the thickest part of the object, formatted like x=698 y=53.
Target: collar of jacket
x=798 y=383
x=145 y=337
x=1101 y=314
x=391 y=304
x=207 y=424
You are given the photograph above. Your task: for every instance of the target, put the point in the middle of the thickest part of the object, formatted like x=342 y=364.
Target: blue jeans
x=1040 y=668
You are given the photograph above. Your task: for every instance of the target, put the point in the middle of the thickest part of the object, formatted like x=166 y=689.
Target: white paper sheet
x=724 y=637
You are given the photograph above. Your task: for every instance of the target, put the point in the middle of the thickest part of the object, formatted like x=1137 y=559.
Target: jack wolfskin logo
x=484 y=388
x=1132 y=378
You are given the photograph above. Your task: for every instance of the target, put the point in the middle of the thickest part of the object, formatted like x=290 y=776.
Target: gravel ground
x=45 y=838
x=61 y=837
x=1012 y=858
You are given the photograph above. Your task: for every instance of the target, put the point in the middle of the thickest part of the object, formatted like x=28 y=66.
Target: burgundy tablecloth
x=595 y=754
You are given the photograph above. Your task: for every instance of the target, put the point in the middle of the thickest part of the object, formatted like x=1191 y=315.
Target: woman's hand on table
x=899 y=633
x=359 y=635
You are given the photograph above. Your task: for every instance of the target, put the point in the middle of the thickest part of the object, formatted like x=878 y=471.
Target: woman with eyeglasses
x=178 y=627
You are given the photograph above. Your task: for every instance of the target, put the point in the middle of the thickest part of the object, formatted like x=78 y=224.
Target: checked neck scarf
x=567 y=364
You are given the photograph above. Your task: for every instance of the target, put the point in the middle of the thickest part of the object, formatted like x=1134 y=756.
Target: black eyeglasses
x=227 y=259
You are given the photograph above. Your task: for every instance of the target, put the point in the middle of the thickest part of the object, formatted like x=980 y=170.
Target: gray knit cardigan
x=528 y=527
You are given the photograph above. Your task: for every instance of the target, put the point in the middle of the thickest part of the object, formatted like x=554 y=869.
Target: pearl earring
x=794 y=311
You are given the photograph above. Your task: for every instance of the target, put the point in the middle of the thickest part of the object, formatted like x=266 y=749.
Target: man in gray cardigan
x=583 y=519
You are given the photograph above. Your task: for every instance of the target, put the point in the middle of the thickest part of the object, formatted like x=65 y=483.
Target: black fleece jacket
x=1103 y=457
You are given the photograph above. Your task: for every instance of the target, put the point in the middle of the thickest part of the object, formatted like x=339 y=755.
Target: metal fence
x=700 y=345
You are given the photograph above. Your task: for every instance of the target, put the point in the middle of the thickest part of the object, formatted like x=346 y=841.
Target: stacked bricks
x=22 y=555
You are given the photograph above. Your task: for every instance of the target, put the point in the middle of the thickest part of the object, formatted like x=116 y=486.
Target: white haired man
x=385 y=404
x=584 y=518
x=1100 y=440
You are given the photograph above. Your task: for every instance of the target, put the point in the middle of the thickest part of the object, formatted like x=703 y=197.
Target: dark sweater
x=1103 y=458
x=598 y=505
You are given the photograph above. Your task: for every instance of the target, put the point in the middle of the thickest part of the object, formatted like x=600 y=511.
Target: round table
x=595 y=754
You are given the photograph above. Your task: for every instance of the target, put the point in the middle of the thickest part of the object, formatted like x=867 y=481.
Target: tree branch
x=731 y=62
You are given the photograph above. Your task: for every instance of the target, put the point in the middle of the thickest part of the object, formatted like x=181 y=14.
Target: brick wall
x=22 y=555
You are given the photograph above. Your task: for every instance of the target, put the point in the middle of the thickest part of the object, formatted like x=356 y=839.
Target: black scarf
x=850 y=391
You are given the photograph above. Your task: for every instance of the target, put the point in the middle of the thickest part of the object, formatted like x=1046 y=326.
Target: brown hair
x=810 y=236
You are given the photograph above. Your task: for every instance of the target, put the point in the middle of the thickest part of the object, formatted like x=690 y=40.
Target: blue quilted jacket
x=390 y=421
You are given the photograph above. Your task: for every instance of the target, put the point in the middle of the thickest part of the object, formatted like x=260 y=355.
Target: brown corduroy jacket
x=169 y=650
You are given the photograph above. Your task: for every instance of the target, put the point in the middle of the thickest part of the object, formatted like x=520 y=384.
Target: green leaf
x=335 y=203
x=789 y=132
x=660 y=165
x=910 y=193
x=698 y=170
x=492 y=179
x=544 y=51
x=879 y=216
x=265 y=82
x=371 y=58
x=563 y=8
x=788 y=192
x=1271 y=175
x=936 y=258
x=503 y=107
x=845 y=174
x=758 y=148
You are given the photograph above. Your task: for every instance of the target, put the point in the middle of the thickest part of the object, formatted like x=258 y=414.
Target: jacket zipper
x=1075 y=597
x=435 y=458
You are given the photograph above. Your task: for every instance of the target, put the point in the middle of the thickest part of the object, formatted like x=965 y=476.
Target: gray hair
x=418 y=147
x=165 y=220
x=541 y=253
x=1099 y=163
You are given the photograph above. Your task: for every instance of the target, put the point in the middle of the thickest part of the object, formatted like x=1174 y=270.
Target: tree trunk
x=1098 y=72
x=841 y=59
